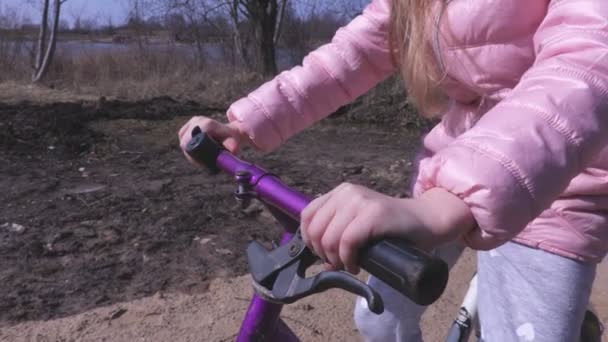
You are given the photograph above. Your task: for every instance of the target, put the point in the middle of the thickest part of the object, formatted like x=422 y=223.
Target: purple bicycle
x=279 y=275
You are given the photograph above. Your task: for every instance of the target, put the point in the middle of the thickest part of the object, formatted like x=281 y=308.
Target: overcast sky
x=89 y=9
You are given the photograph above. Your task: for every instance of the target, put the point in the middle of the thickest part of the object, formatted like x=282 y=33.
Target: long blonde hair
x=410 y=40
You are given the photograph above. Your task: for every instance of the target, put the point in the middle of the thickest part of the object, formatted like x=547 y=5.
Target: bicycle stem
x=268 y=186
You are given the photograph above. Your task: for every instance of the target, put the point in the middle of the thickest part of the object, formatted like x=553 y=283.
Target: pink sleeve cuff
x=500 y=203
x=258 y=126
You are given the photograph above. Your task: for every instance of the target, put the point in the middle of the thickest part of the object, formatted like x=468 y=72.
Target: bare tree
x=197 y=18
x=257 y=25
x=46 y=48
x=265 y=18
x=136 y=21
x=239 y=40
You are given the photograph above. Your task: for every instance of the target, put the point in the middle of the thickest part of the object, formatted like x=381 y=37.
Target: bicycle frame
x=262 y=321
x=466 y=320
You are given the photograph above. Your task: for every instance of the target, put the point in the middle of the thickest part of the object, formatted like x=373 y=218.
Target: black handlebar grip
x=204 y=150
x=416 y=274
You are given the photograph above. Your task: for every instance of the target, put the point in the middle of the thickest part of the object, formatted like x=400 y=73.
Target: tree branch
x=280 y=20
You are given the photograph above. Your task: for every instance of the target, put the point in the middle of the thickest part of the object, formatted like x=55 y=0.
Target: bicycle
x=279 y=275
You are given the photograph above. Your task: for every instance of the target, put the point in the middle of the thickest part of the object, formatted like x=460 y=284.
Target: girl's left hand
x=337 y=224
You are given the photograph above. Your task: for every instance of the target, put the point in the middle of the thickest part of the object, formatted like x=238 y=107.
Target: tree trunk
x=42 y=69
x=42 y=36
x=264 y=19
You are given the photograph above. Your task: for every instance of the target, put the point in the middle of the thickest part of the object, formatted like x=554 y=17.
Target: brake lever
x=279 y=275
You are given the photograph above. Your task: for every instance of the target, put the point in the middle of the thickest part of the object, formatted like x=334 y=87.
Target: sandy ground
x=216 y=315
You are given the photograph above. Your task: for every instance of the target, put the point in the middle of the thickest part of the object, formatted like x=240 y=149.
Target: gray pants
x=524 y=294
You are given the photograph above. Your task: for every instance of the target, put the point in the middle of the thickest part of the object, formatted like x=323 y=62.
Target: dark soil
x=98 y=205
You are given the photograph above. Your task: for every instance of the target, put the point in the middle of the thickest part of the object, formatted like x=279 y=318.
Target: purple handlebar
x=412 y=272
x=268 y=187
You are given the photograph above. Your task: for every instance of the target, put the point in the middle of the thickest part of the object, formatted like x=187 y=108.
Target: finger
x=354 y=237
x=181 y=135
x=314 y=205
x=308 y=213
x=194 y=162
x=186 y=127
x=182 y=130
x=205 y=124
x=185 y=133
x=232 y=145
x=329 y=267
x=318 y=225
x=331 y=238
x=225 y=134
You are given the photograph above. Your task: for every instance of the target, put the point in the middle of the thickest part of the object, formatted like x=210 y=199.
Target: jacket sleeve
x=523 y=153
x=356 y=59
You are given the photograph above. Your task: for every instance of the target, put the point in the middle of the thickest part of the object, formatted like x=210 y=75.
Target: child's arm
x=524 y=152
x=357 y=59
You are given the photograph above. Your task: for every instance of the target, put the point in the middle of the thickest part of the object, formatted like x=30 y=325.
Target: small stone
x=51 y=147
x=81 y=169
x=306 y=307
x=223 y=251
x=205 y=241
x=117 y=313
x=14 y=227
x=86 y=188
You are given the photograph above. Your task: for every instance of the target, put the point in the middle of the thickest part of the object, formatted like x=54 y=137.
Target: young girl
x=517 y=168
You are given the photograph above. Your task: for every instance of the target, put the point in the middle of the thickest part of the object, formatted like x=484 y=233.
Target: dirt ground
x=108 y=234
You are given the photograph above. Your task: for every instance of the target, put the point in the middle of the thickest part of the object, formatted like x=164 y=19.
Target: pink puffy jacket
x=524 y=141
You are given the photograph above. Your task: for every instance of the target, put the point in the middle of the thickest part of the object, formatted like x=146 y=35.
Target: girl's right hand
x=230 y=135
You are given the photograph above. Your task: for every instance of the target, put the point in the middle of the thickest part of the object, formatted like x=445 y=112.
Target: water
x=213 y=52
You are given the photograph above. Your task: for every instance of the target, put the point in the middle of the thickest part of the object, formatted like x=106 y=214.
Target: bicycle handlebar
x=409 y=270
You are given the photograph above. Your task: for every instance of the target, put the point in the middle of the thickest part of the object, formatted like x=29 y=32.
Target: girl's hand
x=337 y=224
x=230 y=135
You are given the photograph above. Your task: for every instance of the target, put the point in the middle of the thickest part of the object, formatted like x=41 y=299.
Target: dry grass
x=132 y=74
x=137 y=74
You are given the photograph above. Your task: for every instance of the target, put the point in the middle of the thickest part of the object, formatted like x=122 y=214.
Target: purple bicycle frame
x=262 y=321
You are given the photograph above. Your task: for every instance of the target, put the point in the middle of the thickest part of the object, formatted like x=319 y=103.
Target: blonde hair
x=410 y=41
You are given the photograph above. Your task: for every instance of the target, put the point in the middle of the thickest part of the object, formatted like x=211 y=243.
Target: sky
x=101 y=9
x=117 y=10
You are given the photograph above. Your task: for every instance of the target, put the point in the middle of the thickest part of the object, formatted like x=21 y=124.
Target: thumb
x=232 y=144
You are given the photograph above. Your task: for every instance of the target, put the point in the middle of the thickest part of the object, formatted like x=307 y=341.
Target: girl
x=517 y=168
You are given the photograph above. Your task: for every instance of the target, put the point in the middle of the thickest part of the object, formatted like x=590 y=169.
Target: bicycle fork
x=466 y=320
